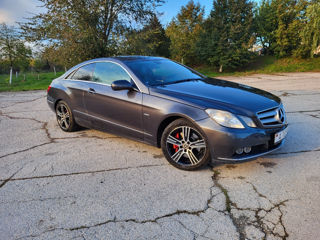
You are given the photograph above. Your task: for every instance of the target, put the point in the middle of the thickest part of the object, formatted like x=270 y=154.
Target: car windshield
x=161 y=72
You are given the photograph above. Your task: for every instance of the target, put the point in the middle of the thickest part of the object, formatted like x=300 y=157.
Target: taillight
x=49 y=87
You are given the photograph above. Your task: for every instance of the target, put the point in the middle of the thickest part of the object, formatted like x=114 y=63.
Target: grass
x=260 y=65
x=31 y=81
x=268 y=65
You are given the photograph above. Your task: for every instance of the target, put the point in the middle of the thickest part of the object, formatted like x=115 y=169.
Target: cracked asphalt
x=93 y=185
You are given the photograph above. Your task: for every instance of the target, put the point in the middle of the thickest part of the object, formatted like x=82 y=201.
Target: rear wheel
x=65 y=117
x=184 y=145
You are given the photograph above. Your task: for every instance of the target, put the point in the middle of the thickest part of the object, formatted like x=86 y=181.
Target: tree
x=13 y=49
x=84 y=29
x=151 y=40
x=184 y=30
x=310 y=34
x=54 y=56
x=228 y=34
x=8 y=42
x=266 y=25
x=290 y=15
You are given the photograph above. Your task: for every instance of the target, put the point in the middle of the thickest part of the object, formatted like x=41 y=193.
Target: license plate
x=280 y=135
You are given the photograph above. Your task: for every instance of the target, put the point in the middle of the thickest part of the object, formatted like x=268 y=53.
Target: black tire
x=190 y=150
x=65 y=117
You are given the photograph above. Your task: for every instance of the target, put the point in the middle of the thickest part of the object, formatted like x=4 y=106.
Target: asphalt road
x=93 y=185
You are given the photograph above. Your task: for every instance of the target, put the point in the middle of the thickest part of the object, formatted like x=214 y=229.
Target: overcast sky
x=12 y=11
x=16 y=10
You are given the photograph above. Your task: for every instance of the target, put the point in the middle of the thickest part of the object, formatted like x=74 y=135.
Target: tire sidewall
x=167 y=131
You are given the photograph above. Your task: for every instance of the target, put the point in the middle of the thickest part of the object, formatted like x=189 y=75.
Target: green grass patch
x=31 y=81
x=267 y=65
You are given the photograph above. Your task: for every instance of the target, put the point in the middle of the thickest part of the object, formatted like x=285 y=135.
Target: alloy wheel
x=63 y=116
x=186 y=146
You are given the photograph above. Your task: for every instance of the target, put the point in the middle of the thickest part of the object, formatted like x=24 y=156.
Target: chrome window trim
x=71 y=73
x=105 y=84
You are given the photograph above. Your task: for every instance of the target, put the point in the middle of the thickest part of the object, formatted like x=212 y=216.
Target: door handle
x=91 y=90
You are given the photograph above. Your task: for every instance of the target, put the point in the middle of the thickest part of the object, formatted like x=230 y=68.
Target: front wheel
x=184 y=146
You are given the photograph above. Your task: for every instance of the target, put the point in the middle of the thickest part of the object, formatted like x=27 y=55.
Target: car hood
x=218 y=94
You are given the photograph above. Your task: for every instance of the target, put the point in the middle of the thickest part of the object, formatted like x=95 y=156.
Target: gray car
x=193 y=118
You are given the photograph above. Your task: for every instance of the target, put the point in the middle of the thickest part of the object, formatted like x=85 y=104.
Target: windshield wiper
x=182 y=80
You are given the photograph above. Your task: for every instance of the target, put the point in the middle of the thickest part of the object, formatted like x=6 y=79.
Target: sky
x=171 y=8
x=12 y=11
x=17 y=10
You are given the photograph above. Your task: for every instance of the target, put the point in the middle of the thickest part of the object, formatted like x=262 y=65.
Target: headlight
x=224 y=118
x=248 y=121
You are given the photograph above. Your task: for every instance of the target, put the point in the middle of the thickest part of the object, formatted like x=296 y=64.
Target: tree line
x=71 y=31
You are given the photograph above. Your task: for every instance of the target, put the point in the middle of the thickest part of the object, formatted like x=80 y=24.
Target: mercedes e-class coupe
x=193 y=118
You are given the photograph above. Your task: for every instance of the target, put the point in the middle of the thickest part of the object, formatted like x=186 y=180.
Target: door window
x=84 y=73
x=107 y=72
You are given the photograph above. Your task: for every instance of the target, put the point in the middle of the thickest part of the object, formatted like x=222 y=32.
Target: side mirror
x=121 y=85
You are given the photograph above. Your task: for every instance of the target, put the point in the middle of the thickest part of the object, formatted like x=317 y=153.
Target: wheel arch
x=166 y=121
x=56 y=102
x=61 y=94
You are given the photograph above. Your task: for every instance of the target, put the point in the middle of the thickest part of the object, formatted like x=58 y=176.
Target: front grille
x=273 y=117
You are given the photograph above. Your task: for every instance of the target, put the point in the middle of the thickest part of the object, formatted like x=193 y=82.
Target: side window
x=107 y=72
x=84 y=73
x=70 y=75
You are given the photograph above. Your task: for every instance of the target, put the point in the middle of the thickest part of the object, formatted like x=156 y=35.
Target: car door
x=119 y=112
x=76 y=84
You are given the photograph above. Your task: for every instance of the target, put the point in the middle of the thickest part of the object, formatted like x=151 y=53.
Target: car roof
x=116 y=59
x=130 y=58
x=136 y=57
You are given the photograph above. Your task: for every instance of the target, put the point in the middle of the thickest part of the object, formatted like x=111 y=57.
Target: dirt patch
x=230 y=166
x=268 y=164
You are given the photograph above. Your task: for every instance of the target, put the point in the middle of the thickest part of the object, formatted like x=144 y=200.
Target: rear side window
x=84 y=73
x=70 y=75
x=107 y=72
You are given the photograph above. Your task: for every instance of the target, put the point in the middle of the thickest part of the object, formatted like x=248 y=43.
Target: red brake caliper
x=176 y=147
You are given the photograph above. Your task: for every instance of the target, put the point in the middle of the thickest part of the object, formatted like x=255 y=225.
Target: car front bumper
x=223 y=142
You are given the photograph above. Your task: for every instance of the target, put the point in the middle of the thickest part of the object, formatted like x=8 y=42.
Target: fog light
x=247 y=149
x=239 y=151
